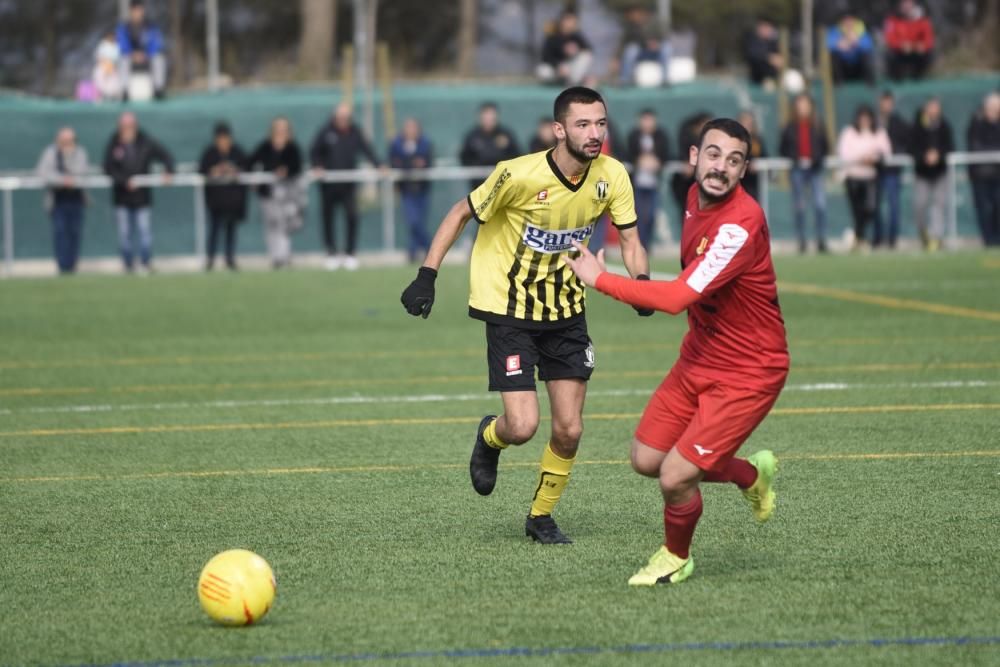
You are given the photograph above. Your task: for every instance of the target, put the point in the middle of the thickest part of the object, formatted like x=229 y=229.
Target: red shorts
x=706 y=418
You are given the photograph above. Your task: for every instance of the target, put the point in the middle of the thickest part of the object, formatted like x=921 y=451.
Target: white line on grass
x=358 y=399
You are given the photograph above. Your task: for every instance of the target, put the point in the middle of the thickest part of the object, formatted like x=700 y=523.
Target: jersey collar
x=562 y=179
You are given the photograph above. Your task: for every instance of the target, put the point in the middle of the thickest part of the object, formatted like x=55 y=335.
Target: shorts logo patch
x=702 y=451
x=513 y=365
x=589 y=354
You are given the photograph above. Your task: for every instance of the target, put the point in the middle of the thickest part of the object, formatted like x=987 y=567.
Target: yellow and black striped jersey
x=529 y=214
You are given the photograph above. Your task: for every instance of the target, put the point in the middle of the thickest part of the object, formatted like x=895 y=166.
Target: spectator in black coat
x=543 y=139
x=129 y=153
x=803 y=141
x=890 y=177
x=338 y=145
x=282 y=203
x=648 y=151
x=930 y=142
x=681 y=181
x=760 y=49
x=983 y=134
x=566 y=54
x=487 y=143
x=225 y=199
x=751 y=180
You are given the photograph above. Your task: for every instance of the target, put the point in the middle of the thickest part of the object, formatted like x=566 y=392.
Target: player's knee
x=567 y=435
x=519 y=430
x=644 y=465
x=675 y=487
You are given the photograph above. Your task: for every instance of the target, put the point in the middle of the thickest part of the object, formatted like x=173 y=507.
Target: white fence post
x=199 y=221
x=8 y=229
x=388 y=213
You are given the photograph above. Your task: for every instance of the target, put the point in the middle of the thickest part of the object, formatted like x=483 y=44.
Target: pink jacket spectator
x=865 y=149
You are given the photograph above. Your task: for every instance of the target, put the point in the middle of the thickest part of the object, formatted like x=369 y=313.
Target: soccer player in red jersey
x=734 y=358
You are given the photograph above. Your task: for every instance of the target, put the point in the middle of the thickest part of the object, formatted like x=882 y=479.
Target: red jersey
x=735 y=326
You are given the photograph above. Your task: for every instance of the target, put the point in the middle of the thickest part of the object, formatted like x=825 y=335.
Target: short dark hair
x=222 y=129
x=648 y=111
x=574 y=95
x=489 y=104
x=728 y=126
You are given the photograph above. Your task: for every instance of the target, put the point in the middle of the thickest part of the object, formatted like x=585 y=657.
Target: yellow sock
x=491 y=437
x=552 y=479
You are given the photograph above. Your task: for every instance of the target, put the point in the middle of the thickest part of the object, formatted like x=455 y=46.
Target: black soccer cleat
x=483 y=464
x=544 y=529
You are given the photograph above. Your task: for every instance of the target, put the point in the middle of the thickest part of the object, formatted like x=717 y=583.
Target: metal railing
x=387 y=178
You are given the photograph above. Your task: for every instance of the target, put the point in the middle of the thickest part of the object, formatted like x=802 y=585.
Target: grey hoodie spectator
x=930 y=142
x=61 y=166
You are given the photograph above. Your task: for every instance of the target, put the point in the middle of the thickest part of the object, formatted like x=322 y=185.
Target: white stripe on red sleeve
x=724 y=247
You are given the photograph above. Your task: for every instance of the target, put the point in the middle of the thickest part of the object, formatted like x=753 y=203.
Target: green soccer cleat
x=761 y=494
x=663 y=568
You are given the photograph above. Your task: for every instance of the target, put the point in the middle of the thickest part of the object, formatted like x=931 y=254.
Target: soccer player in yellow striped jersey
x=530 y=211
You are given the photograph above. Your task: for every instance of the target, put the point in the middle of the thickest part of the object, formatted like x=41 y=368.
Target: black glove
x=419 y=296
x=643 y=312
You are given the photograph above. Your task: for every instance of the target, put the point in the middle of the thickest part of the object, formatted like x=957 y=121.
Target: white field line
x=358 y=399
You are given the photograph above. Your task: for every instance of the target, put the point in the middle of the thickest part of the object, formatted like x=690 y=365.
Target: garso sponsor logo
x=551 y=241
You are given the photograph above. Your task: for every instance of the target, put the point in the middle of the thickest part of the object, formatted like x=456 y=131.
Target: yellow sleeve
x=622 y=204
x=492 y=195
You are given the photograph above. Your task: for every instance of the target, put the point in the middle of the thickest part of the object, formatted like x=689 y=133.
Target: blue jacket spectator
x=412 y=150
x=140 y=44
x=851 y=49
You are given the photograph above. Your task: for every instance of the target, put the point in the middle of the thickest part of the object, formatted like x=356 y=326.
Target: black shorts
x=512 y=354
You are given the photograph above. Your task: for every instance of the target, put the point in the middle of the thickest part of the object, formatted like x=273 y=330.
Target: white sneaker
x=332 y=263
x=351 y=263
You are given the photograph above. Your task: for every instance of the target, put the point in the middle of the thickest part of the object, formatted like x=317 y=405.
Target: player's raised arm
x=669 y=296
x=418 y=297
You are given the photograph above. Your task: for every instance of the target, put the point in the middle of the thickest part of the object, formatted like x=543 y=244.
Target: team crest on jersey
x=602 y=189
x=551 y=241
x=701 y=246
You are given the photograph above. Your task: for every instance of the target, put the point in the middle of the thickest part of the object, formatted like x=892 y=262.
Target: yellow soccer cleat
x=663 y=568
x=761 y=495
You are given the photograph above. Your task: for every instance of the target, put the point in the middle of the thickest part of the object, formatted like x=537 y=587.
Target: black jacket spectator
x=228 y=199
x=334 y=148
x=937 y=136
x=554 y=47
x=122 y=161
x=982 y=135
x=899 y=137
x=483 y=148
x=661 y=146
x=268 y=159
x=760 y=49
x=789 y=146
x=687 y=136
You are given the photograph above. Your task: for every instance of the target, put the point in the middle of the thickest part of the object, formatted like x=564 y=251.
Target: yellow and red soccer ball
x=236 y=587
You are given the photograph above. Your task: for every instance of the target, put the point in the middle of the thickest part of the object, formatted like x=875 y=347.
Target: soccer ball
x=236 y=587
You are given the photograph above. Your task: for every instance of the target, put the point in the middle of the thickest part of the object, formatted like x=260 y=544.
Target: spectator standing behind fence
x=544 y=138
x=487 y=143
x=909 y=41
x=566 y=54
x=226 y=200
x=751 y=180
x=983 y=134
x=283 y=202
x=851 y=49
x=106 y=76
x=760 y=49
x=141 y=45
x=687 y=136
x=889 y=176
x=337 y=146
x=862 y=145
x=648 y=151
x=803 y=141
x=130 y=153
x=411 y=150
x=931 y=141
x=61 y=166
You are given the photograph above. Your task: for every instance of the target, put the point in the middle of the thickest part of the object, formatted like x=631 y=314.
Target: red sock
x=678 y=524
x=738 y=471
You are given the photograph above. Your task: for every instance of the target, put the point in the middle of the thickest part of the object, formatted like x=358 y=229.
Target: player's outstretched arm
x=418 y=297
x=669 y=296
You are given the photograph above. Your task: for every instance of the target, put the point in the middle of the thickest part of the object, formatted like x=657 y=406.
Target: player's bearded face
x=585 y=128
x=721 y=163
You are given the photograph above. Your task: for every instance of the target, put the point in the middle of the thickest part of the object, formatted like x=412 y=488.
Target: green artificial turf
x=146 y=424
